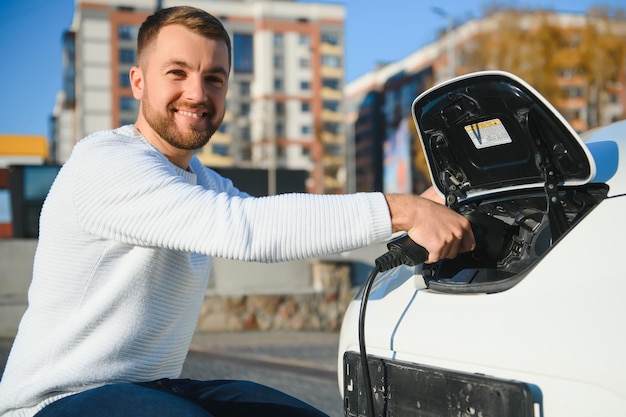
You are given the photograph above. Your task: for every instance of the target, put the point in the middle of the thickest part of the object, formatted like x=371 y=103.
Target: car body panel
x=609 y=152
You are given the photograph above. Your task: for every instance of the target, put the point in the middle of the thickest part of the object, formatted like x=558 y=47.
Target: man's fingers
x=469 y=242
x=457 y=239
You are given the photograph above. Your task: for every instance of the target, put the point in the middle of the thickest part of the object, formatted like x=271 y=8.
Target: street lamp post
x=449 y=39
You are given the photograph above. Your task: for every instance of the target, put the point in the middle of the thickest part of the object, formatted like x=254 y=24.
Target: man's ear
x=136 y=82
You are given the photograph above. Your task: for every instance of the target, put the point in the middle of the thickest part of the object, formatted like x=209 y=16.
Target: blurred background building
x=286 y=87
x=577 y=61
x=292 y=124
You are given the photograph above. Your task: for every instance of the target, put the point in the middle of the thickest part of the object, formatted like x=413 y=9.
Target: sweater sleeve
x=133 y=195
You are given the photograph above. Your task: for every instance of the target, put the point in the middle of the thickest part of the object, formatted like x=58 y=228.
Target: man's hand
x=432 y=194
x=441 y=231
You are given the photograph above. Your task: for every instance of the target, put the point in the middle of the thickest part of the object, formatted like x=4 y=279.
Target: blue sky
x=376 y=31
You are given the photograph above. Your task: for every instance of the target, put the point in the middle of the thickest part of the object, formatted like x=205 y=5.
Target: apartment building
x=554 y=52
x=285 y=92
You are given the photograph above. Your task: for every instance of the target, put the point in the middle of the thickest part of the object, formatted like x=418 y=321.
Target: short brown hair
x=194 y=19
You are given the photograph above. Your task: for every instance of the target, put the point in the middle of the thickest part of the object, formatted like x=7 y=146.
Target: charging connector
x=401 y=251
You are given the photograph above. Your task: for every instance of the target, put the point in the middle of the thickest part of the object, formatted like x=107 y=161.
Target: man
x=128 y=232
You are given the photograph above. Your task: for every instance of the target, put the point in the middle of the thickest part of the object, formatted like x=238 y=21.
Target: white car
x=531 y=324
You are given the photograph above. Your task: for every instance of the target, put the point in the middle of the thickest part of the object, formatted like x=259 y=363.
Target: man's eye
x=177 y=73
x=214 y=79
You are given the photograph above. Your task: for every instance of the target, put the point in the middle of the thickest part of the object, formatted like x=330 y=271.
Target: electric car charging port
x=512 y=233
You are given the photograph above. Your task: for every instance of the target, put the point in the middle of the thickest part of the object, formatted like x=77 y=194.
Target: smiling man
x=182 y=92
x=127 y=237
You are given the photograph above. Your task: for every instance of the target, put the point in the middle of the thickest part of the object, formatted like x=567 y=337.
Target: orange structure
x=16 y=150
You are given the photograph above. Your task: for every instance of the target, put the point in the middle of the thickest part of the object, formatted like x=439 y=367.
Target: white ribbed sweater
x=124 y=255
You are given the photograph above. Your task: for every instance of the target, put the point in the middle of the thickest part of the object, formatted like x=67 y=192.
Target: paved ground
x=317 y=350
x=303 y=364
x=5 y=346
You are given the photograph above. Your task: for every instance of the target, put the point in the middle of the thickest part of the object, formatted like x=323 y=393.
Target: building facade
x=285 y=91
x=576 y=61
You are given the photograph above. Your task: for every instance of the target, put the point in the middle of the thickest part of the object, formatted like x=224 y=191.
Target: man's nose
x=195 y=89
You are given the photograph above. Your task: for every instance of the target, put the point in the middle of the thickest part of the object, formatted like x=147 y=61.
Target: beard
x=167 y=129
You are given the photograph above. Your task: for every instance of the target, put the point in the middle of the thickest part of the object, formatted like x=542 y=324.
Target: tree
x=602 y=50
x=549 y=52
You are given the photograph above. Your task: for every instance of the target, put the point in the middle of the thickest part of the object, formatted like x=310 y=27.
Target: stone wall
x=299 y=295
x=319 y=309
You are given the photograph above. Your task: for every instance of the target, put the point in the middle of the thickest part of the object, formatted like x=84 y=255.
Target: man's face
x=182 y=82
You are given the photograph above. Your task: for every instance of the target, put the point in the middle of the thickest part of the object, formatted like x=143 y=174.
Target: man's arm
x=441 y=231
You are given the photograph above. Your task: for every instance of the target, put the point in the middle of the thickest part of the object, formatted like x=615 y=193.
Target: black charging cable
x=401 y=251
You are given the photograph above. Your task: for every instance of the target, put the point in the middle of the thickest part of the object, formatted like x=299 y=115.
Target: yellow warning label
x=488 y=133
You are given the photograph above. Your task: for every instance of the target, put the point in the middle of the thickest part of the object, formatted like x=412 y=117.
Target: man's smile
x=193 y=114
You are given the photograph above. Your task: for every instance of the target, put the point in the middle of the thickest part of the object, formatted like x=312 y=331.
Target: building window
x=245 y=109
x=220 y=149
x=305 y=85
x=69 y=70
x=331 y=105
x=331 y=127
x=306 y=130
x=330 y=38
x=278 y=84
x=244 y=133
x=305 y=63
x=408 y=93
x=331 y=61
x=124 y=80
x=304 y=40
x=574 y=92
x=128 y=104
x=330 y=83
x=334 y=149
x=278 y=62
x=244 y=88
x=127 y=56
x=243 y=57
x=127 y=32
x=305 y=107
x=280 y=130
x=278 y=39
x=279 y=108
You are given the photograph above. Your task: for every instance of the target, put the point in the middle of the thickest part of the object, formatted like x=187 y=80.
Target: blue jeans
x=181 y=397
